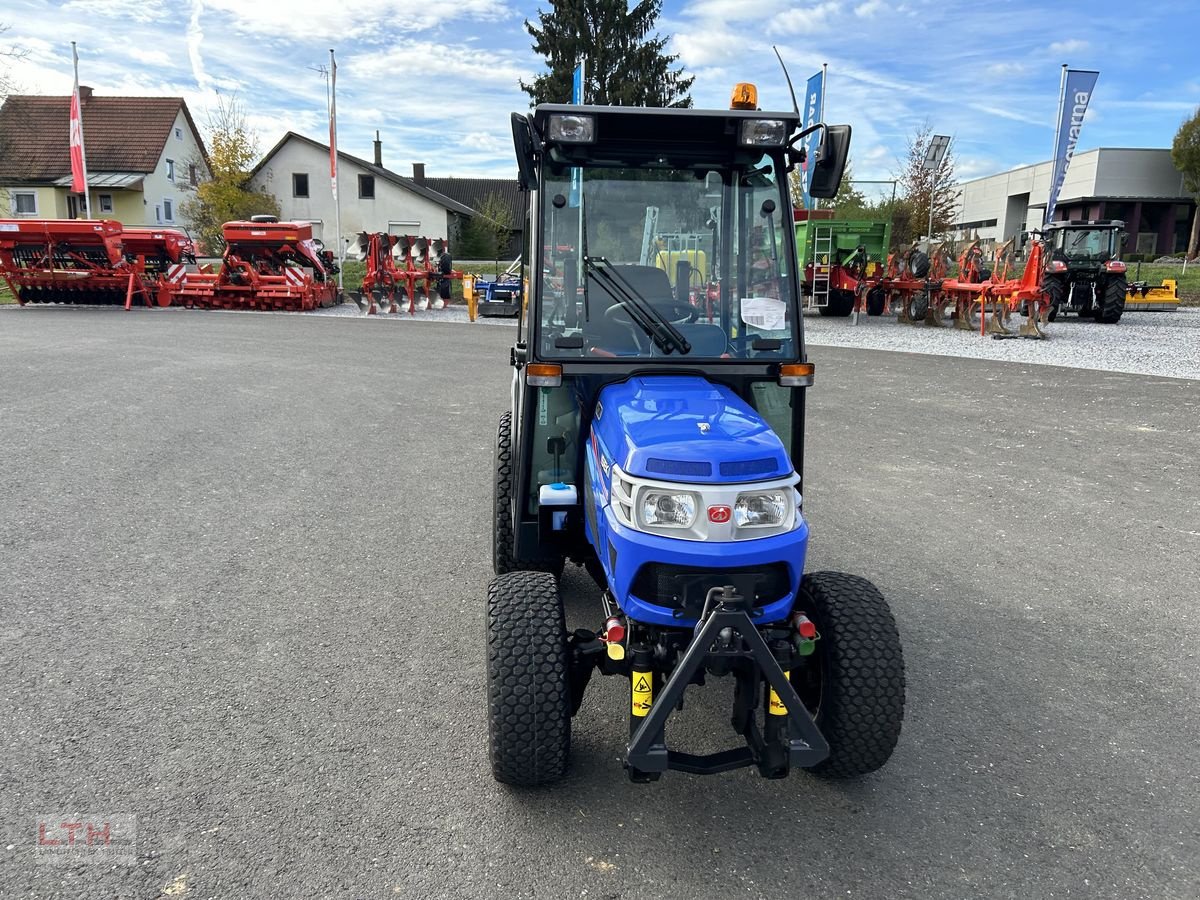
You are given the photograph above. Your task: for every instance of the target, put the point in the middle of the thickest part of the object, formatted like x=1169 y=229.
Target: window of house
x=193 y=175
x=366 y=187
x=168 y=212
x=106 y=203
x=24 y=203
x=179 y=134
x=157 y=213
x=299 y=184
x=170 y=170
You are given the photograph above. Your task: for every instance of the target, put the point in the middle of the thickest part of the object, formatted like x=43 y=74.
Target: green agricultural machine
x=835 y=254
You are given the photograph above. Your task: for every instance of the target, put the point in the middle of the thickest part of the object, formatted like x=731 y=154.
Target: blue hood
x=684 y=428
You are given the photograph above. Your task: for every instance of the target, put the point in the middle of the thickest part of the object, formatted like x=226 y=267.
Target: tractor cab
x=656 y=437
x=1083 y=244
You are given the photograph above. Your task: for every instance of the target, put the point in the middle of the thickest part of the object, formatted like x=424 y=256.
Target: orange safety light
x=797 y=374
x=543 y=374
x=745 y=96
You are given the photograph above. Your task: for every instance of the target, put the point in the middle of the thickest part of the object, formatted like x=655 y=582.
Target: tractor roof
x=1097 y=224
x=676 y=135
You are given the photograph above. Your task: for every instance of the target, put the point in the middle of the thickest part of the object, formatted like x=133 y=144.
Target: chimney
x=378 y=151
x=85 y=94
x=419 y=173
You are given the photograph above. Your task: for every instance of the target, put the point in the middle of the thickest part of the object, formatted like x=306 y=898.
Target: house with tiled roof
x=145 y=157
x=476 y=192
x=372 y=197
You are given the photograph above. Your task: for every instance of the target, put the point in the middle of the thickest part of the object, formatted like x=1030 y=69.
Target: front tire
x=529 y=698
x=854 y=682
x=1111 y=303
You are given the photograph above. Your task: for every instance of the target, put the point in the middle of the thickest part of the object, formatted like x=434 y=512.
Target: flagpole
x=1062 y=96
x=87 y=203
x=337 y=206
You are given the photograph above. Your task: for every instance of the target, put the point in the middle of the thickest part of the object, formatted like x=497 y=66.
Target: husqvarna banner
x=814 y=98
x=1077 y=93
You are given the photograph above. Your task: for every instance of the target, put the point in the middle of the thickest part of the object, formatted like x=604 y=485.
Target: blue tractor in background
x=656 y=437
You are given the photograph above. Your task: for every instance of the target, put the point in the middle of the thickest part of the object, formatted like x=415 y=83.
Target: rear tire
x=1111 y=303
x=529 y=698
x=503 y=558
x=854 y=682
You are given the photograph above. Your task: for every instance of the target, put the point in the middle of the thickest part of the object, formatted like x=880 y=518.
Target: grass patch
x=6 y=296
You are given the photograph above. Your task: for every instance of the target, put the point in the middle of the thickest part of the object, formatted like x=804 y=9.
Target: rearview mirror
x=523 y=145
x=831 y=162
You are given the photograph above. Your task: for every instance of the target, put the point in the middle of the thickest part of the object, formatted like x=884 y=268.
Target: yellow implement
x=1143 y=296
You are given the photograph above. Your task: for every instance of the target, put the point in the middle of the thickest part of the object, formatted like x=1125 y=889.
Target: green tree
x=1185 y=153
x=625 y=62
x=226 y=195
x=487 y=234
x=920 y=185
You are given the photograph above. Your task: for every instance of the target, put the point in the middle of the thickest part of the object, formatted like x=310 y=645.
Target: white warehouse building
x=1140 y=187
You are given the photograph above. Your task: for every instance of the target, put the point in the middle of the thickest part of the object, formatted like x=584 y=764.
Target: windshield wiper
x=665 y=335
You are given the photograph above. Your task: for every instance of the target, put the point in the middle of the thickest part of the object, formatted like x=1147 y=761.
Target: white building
x=1140 y=187
x=296 y=171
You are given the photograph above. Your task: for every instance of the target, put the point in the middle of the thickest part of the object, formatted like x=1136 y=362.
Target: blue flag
x=814 y=97
x=1077 y=93
x=576 y=174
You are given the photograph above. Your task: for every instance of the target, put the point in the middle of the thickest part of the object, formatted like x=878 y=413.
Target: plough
x=920 y=287
x=96 y=262
x=267 y=265
x=399 y=268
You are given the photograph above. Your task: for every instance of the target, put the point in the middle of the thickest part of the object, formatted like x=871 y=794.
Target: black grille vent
x=749 y=467
x=685 y=587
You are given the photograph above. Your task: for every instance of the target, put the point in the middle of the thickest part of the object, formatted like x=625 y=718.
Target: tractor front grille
x=684 y=588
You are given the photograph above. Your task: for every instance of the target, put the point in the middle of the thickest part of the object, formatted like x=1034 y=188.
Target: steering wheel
x=675 y=313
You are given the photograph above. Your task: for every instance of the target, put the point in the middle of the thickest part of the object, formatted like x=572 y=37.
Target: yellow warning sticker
x=775 y=705
x=643 y=693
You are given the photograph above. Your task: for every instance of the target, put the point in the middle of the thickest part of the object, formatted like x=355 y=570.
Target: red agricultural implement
x=266 y=266
x=399 y=268
x=90 y=261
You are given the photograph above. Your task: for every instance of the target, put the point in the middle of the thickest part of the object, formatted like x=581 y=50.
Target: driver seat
x=605 y=334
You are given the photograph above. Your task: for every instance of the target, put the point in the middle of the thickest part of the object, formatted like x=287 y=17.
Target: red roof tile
x=120 y=134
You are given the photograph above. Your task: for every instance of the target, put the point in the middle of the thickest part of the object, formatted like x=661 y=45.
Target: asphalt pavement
x=242 y=568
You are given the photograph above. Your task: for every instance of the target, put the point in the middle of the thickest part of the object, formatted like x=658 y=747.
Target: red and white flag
x=78 y=162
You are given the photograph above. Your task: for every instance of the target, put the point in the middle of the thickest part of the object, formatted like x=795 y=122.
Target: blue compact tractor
x=656 y=437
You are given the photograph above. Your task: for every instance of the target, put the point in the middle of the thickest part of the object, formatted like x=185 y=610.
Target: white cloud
x=1074 y=45
x=339 y=21
x=804 y=19
x=1006 y=69
x=869 y=9
x=122 y=10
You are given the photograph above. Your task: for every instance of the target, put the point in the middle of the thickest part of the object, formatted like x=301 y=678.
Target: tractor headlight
x=566 y=129
x=667 y=509
x=763 y=133
x=761 y=509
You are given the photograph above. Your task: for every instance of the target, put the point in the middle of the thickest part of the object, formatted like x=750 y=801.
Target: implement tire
x=841 y=303
x=529 y=697
x=853 y=683
x=918 y=305
x=1111 y=303
x=876 y=300
x=503 y=559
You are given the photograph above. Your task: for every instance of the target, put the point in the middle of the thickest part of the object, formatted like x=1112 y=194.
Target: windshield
x=666 y=264
x=1080 y=243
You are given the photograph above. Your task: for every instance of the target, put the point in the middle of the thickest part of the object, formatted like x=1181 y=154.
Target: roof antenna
x=791 y=90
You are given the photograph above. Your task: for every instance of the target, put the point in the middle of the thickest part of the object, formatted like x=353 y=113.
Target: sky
x=438 y=80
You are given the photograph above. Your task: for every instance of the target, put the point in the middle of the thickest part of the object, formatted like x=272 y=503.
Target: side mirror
x=523 y=144
x=831 y=162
